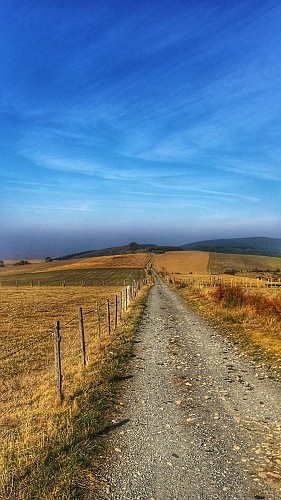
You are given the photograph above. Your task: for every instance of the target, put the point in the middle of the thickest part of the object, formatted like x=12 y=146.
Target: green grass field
x=220 y=262
x=75 y=277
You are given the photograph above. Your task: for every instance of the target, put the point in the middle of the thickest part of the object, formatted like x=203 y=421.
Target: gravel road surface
x=195 y=420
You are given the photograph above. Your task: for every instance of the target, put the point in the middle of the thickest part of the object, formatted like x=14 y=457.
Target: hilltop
x=124 y=249
x=251 y=246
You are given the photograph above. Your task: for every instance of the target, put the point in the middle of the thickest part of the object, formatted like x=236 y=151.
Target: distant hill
x=251 y=246
x=130 y=248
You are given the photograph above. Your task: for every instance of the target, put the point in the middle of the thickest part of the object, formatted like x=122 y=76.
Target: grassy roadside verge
x=62 y=468
x=256 y=332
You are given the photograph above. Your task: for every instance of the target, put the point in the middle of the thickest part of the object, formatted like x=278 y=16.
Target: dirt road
x=195 y=419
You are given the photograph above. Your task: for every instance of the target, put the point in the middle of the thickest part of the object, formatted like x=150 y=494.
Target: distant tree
x=48 y=259
x=2 y=263
x=133 y=246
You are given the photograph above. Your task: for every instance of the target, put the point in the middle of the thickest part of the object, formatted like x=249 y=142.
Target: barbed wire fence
x=81 y=339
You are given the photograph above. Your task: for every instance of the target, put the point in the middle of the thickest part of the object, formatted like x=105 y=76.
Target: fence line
x=217 y=280
x=107 y=315
x=112 y=313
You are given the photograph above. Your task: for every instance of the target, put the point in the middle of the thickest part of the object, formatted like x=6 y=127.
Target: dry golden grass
x=28 y=393
x=138 y=260
x=126 y=261
x=182 y=262
x=220 y=262
x=10 y=269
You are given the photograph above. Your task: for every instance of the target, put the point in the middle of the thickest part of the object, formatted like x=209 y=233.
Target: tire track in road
x=195 y=420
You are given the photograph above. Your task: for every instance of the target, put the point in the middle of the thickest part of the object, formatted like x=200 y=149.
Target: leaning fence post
x=108 y=316
x=82 y=334
x=57 y=341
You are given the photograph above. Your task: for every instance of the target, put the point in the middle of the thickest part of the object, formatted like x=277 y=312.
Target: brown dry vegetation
x=137 y=260
x=127 y=261
x=28 y=401
x=219 y=262
x=182 y=262
x=28 y=395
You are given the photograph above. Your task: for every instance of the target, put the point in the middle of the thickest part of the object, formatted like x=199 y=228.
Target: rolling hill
x=250 y=246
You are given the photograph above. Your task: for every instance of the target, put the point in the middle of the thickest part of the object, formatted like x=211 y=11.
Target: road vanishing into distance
x=195 y=419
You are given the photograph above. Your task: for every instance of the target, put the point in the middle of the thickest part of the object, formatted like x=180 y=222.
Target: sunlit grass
x=37 y=434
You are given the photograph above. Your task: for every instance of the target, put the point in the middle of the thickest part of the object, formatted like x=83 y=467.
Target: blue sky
x=150 y=121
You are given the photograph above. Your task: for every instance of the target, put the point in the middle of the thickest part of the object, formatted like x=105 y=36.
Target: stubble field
x=182 y=262
x=29 y=401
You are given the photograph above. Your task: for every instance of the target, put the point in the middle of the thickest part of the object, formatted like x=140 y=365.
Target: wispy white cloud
x=261 y=170
x=193 y=192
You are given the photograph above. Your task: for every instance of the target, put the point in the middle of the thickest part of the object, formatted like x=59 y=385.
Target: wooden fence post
x=126 y=299
x=116 y=312
x=82 y=335
x=121 y=305
x=108 y=316
x=98 y=322
x=57 y=341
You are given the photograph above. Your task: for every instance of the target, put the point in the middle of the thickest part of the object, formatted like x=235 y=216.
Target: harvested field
x=127 y=261
x=33 y=298
x=74 y=277
x=220 y=262
x=26 y=351
x=28 y=401
x=182 y=262
x=113 y=261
